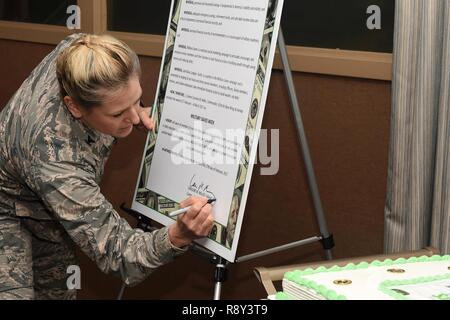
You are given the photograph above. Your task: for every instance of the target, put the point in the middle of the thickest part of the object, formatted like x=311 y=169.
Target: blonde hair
x=93 y=64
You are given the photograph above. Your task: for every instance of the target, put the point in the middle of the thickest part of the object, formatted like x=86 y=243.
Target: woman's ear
x=73 y=107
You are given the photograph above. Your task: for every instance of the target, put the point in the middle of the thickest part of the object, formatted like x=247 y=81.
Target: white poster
x=208 y=111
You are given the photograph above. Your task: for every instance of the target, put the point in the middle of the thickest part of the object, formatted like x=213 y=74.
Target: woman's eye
x=117 y=115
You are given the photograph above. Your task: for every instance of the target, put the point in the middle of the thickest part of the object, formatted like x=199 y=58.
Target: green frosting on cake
x=297 y=276
x=283 y=296
x=362 y=265
x=385 y=286
x=376 y=263
x=443 y=296
x=334 y=268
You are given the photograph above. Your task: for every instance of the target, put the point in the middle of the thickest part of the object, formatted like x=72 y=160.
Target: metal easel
x=325 y=237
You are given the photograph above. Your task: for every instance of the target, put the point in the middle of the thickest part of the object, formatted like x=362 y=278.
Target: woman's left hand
x=146 y=122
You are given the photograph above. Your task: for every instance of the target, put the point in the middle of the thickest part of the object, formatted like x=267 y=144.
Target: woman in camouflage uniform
x=55 y=136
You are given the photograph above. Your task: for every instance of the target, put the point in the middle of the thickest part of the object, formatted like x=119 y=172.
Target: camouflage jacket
x=50 y=168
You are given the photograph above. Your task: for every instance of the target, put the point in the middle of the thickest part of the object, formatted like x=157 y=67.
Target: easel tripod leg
x=220 y=276
x=320 y=216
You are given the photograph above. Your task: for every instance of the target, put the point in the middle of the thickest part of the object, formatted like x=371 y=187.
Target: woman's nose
x=134 y=117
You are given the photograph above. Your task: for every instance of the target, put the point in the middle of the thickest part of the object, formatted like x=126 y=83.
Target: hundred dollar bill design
x=166 y=206
x=232 y=218
x=176 y=15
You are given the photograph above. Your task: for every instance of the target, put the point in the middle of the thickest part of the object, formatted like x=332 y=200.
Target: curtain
x=418 y=191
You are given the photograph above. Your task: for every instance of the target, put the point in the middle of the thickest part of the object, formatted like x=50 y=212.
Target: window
x=320 y=23
x=313 y=30
x=144 y=16
x=338 y=24
x=52 y=12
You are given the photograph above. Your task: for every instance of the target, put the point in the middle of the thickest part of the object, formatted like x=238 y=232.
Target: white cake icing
x=415 y=278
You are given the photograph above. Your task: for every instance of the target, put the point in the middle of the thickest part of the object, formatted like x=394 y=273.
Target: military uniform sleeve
x=70 y=192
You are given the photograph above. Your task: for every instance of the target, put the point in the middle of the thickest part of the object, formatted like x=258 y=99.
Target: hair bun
x=94 y=63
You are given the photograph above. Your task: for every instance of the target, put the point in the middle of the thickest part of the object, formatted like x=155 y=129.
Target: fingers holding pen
x=207 y=225
x=201 y=223
x=195 y=223
x=199 y=211
x=195 y=205
x=190 y=201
